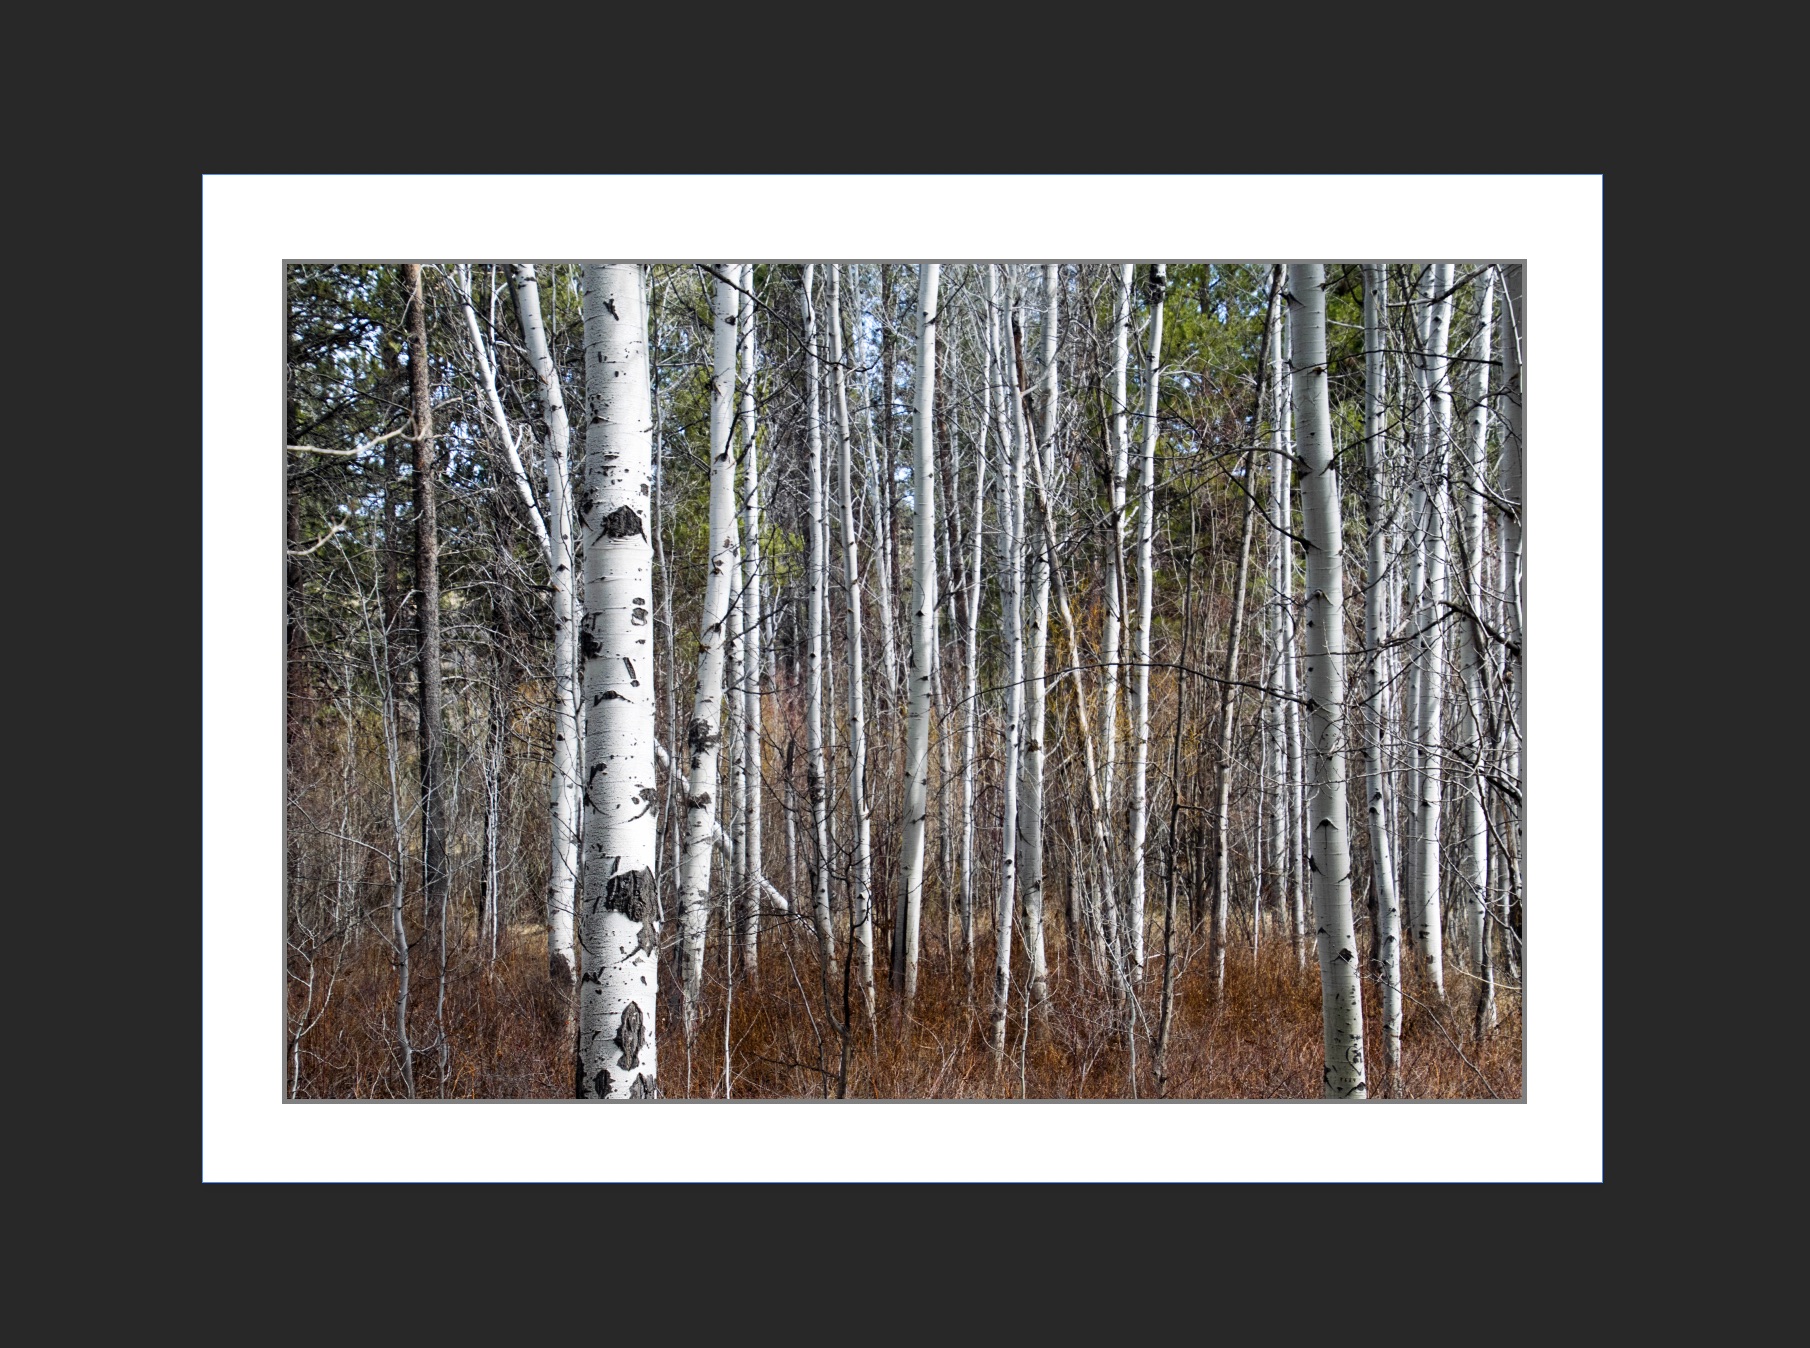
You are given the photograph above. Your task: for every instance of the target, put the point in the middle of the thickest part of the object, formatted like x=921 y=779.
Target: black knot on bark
x=622 y=522
x=629 y=1037
x=629 y=892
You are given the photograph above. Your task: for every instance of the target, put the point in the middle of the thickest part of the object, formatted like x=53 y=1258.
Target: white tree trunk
x=1469 y=505
x=705 y=728
x=923 y=636
x=1011 y=438
x=1031 y=751
x=971 y=702
x=1294 y=789
x=499 y=420
x=1429 y=928
x=817 y=579
x=1510 y=524
x=857 y=672
x=751 y=628
x=1329 y=841
x=1116 y=587
x=562 y=876
x=1140 y=801
x=620 y=936
x=1382 y=852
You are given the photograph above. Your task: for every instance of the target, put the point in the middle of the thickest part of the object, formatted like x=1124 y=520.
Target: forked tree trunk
x=619 y=938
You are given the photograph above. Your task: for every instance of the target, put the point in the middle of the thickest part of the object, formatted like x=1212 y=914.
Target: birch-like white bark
x=1509 y=474
x=619 y=938
x=499 y=420
x=1382 y=853
x=705 y=728
x=1469 y=505
x=923 y=635
x=878 y=477
x=1116 y=587
x=1329 y=840
x=562 y=875
x=1010 y=412
x=971 y=702
x=1429 y=920
x=817 y=578
x=1294 y=789
x=1037 y=566
x=751 y=627
x=1140 y=801
x=857 y=670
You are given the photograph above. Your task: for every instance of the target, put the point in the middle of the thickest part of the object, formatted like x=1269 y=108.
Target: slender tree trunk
x=1509 y=494
x=751 y=671
x=1228 y=714
x=1011 y=571
x=1293 y=788
x=1429 y=937
x=923 y=635
x=971 y=702
x=1140 y=800
x=1382 y=855
x=563 y=789
x=619 y=938
x=1329 y=840
x=816 y=583
x=1116 y=587
x=1469 y=634
x=863 y=921
x=704 y=731
x=427 y=606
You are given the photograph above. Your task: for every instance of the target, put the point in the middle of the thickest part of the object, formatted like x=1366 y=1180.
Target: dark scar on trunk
x=622 y=522
x=629 y=893
x=629 y=1037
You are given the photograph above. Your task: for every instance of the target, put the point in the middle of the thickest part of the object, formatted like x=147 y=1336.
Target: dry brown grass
x=506 y=1036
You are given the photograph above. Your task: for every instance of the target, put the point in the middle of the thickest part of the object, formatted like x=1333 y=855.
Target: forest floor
x=507 y=1036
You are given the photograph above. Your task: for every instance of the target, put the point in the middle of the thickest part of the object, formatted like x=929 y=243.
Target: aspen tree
x=1329 y=841
x=1228 y=705
x=817 y=578
x=1382 y=855
x=971 y=702
x=704 y=730
x=923 y=634
x=751 y=669
x=562 y=873
x=1011 y=571
x=619 y=935
x=1429 y=938
x=1469 y=507
x=1038 y=559
x=857 y=672
x=1116 y=587
x=1140 y=801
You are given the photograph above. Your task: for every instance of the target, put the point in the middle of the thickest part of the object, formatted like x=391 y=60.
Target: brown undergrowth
x=506 y=1032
